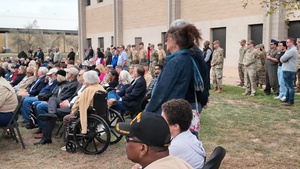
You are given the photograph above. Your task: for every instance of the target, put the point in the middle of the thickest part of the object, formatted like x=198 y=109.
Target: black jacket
x=71 y=56
x=68 y=90
x=135 y=94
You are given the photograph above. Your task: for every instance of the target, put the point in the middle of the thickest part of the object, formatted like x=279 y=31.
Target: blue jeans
x=41 y=108
x=25 y=108
x=289 y=78
x=282 y=89
x=113 y=95
x=5 y=117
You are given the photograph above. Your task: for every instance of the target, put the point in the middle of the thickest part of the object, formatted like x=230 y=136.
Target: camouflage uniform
x=129 y=54
x=135 y=57
x=241 y=67
x=143 y=57
x=250 y=71
x=153 y=60
x=298 y=72
x=260 y=64
x=217 y=68
x=161 y=57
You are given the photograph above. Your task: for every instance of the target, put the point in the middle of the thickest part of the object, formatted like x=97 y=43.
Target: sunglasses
x=129 y=139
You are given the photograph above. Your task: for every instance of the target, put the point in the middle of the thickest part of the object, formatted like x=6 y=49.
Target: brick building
x=103 y=23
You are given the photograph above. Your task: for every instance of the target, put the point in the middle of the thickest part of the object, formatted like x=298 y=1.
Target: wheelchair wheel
x=114 y=118
x=97 y=138
x=71 y=147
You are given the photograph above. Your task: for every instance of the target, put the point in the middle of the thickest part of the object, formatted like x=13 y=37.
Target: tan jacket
x=8 y=99
x=26 y=81
x=84 y=100
x=218 y=58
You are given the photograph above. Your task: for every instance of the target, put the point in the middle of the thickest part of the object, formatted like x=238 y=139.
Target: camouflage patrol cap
x=258 y=46
x=250 y=42
x=243 y=40
x=216 y=41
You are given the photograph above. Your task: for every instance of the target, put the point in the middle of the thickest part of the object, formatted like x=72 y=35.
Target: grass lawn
x=257 y=132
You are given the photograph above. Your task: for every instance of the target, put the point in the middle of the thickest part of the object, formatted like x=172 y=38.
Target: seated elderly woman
x=27 y=80
x=84 y=100
x=125 y=80
x=8 y=100
x=21 y=73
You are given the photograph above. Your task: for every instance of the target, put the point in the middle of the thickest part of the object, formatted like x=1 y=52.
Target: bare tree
x=72 y=41
x=289 y=6
x=51 y=39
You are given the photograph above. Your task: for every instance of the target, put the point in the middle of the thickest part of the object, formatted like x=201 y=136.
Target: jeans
x=282 y=89
x=25 y=108
x=289 y=78
x=114 y=95
x=41 y=108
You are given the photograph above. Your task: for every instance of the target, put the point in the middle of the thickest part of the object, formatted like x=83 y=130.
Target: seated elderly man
x=133 y=95
x=84 y=101
x=148 y=138
x=178 y=114
x=8 y=100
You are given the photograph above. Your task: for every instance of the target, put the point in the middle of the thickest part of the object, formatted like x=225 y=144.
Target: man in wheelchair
x=134 y=93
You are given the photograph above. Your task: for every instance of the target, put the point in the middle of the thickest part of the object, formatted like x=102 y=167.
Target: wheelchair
x=101 y=131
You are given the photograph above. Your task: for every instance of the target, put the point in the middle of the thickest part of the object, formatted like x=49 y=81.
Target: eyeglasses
x=272 y=44
x=129 y=139
x=156 y=68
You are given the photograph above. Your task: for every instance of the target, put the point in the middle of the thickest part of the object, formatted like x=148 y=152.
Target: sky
x=50 y=14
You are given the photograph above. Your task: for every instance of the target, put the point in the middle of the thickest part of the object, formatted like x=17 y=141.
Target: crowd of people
x=62 y=88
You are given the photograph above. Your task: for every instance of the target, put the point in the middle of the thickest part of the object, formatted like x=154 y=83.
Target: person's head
x=139 y=71
x=52 y=73
x=182 y=37
x=282 y=46
x=290 y=42
x=250 y=44
x=2 y=72
x=273 y=44
x=133 y=47
x=151 y=46
x=206 y=44
x=128 y=47
x=121 y=48
x=178 y=114
x=298 y=42
x=125 y=77
x=71 y=73
x=243 y=42
x=114 y=75
x=141 y=45
x=22 y=70
x=159 y=46
x=61 y=76
x=42 y=71
x=98 y=49
x=101 y=68
x=91 y=61
x=216 y=44
x=157 y=69
x=147 y=137
x=146 y=67
x=119 y=68
x=113 y=49
x=71 y=50
x=78 y=62
x=90 y=78
x=80 y=76
x=29 y=71
x=57 y=49
x=130 y=69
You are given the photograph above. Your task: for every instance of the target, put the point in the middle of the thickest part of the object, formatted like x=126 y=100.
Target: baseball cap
x=51 y=71
x=216 y=41
x=72 y=70
x=61 y=72
x=15 y=66
x=150 y=128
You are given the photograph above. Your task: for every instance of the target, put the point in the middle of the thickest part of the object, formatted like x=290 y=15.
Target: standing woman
x=8 y=100
x=99 y=58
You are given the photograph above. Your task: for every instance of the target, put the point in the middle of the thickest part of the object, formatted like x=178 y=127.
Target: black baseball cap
x=150 y=128
x=61 y=72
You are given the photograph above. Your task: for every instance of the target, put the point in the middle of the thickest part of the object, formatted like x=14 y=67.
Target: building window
x=112 y=41
x=88 y=2
x=99 y=1
x=101 y=42
x=256 y=33
x=220 y=34
x=293 y=30
x=89 y=42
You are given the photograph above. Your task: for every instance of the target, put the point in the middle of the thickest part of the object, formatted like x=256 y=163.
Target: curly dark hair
x=178 y=111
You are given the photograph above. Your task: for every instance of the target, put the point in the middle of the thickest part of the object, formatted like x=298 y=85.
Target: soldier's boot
x=260 y=86
x=216 y=89
x=241 y=84
x=219 y=90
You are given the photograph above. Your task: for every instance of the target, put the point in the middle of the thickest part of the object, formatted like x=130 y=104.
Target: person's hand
x=136 y=166
x=212 y=65
x=269 y=57
x=63 y=104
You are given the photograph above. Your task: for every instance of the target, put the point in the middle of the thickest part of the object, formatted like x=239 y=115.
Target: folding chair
x=215 y=158
x=13 y=124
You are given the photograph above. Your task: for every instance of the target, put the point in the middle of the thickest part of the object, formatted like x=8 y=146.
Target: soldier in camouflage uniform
x=129 y=54
x=298 y=67
x=250 y=69
x=217 y=66
x=260 y=64
x=135 y=56
x=241 y=65
x=142 y=54
x=153 y=59
x=161 y=54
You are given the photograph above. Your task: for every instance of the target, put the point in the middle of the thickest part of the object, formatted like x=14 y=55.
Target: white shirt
x=187 y=147
x=78 y=93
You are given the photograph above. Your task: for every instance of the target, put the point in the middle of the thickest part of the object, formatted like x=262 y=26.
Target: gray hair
x=178 y=23
x=126 y=77
x=44 y=70
x=91 y=77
